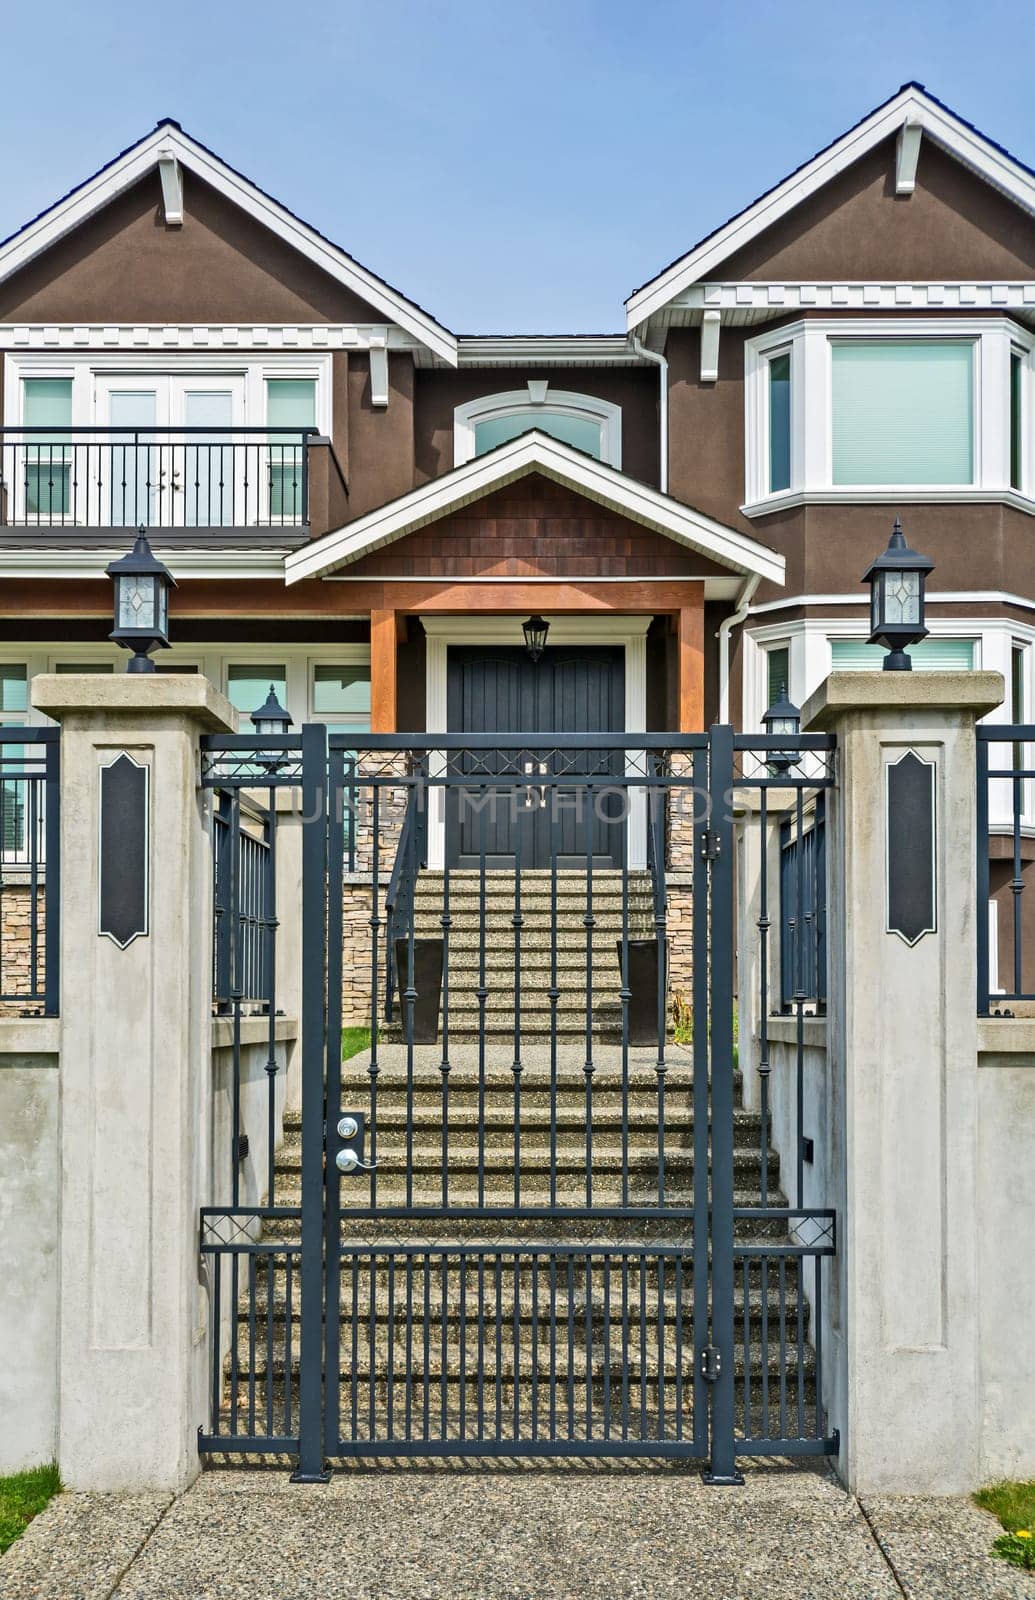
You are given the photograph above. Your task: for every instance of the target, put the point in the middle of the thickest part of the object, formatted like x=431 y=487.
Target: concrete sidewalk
x=475 y=1534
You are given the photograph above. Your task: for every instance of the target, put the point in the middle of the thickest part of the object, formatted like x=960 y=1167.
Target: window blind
x=903 y=412
x=931 y=655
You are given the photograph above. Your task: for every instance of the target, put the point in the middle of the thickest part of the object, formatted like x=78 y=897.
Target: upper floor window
x=881 y=409
x=902 y=411
x=580 y=420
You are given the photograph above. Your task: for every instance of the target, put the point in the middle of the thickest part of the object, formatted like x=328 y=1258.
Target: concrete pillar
x=902 y=1040
x=135 y=1083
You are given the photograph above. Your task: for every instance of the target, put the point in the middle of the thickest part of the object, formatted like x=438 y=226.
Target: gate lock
x=350 y=1156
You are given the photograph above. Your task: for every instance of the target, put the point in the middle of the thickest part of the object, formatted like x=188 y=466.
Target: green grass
x=1014 y=1505
x=22 y=1496
x=353 y=1040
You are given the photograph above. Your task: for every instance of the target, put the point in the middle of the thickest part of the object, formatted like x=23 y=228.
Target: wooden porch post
x=382 y=672
x=690 y=644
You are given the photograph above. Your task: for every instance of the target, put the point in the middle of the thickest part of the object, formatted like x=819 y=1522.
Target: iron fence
x=803 y=895
x=1005 y=857
x=156 y=477
x=30 y=871
x=523 y=1226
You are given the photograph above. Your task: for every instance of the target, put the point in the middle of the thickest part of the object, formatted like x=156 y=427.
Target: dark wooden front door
x=569 y=690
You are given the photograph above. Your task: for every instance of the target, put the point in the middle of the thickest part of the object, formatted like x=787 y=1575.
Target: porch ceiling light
x=783 y=719
x=535 y=630
x=142 y=585
x=897 y=580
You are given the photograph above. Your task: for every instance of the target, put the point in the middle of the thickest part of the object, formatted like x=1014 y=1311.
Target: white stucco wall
x=29 y=1187
x=1006 y=1235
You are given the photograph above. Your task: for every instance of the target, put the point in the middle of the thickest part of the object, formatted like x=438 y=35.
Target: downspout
x=662 y=365
x=744 y=598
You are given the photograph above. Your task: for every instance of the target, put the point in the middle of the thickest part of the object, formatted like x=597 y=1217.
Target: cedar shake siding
x=534 y=528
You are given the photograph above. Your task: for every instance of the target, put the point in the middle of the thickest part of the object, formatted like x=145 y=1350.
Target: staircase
x=418 y=1298
x=552 y=937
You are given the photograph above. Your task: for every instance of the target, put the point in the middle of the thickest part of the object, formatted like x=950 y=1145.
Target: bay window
x=902 y=411
x=890 y=410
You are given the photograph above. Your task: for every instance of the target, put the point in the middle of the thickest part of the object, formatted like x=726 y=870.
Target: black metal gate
x=532 y=1219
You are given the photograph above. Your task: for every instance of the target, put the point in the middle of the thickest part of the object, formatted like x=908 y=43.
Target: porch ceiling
x=537 y=453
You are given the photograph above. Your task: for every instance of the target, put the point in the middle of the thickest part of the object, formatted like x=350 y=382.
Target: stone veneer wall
x=17 y=921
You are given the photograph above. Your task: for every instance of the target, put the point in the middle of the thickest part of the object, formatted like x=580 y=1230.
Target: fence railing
x=244 y=903
x=1005 y=863
x=803 y=894
x=30 y=871
x=159 y=477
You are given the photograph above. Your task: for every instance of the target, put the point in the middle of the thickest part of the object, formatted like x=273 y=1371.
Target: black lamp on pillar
x=271 y=718
x=142 y=585
x=535 y=630
x=783 y=718
x=896 y=581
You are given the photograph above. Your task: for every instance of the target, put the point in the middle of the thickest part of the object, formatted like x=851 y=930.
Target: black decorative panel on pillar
x=124 y=849
x=911 y=844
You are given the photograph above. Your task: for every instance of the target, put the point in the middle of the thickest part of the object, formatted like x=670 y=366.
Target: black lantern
x=535 y=630
x=271 y=717
x=897 y=580
x=784 y=719
x=142 y=585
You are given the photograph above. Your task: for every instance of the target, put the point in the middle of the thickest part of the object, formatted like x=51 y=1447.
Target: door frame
x=628 y=631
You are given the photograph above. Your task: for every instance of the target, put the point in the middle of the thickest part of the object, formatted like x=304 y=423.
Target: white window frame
x=539 y=396
x=811 y=344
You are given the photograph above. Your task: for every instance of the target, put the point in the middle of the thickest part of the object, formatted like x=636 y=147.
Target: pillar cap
x=843 y=692
x=142 y=695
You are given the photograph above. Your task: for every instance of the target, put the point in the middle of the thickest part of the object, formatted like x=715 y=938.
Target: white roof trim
x=912 y=106
x=535 y=452
x=169 y=141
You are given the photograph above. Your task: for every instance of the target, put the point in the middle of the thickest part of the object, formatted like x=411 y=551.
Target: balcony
x=260 y=486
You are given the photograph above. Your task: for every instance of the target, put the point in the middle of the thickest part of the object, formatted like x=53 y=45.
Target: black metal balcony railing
x=159 y=477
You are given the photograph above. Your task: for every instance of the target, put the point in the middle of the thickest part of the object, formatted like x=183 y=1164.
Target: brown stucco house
x=362 y=507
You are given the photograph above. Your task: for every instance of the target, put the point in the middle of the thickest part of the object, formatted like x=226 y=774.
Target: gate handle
x=348 y=1161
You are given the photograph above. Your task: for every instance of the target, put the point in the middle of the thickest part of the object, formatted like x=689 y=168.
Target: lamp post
x=535 y=630
x=784 y=719
x=897 y=580
x=142 y=585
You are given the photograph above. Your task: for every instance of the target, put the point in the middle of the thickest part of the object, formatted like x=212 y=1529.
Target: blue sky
x=512 y=167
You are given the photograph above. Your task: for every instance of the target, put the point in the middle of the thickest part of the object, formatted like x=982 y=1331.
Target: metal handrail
x=410 y=858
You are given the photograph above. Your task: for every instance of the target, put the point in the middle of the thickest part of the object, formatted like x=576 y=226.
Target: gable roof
x=913 y=105
x=139 y=159
x=535 y=452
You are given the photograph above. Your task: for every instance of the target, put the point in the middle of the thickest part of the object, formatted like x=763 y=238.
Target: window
x=582 y=433
x=14 y=705
x=47 y=410
x=779 y=422
x=878 y=410
x=931 y=655
x=290 y=403
x=778 y=673
x=582 y=421
x=248 y=687
x=1018 y=697
x=84 y=666
x=341 y=696
x=903 y=412
x=1016 y=419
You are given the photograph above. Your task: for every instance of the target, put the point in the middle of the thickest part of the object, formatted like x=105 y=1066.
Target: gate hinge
x=711 y=1363
x=711 y=845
